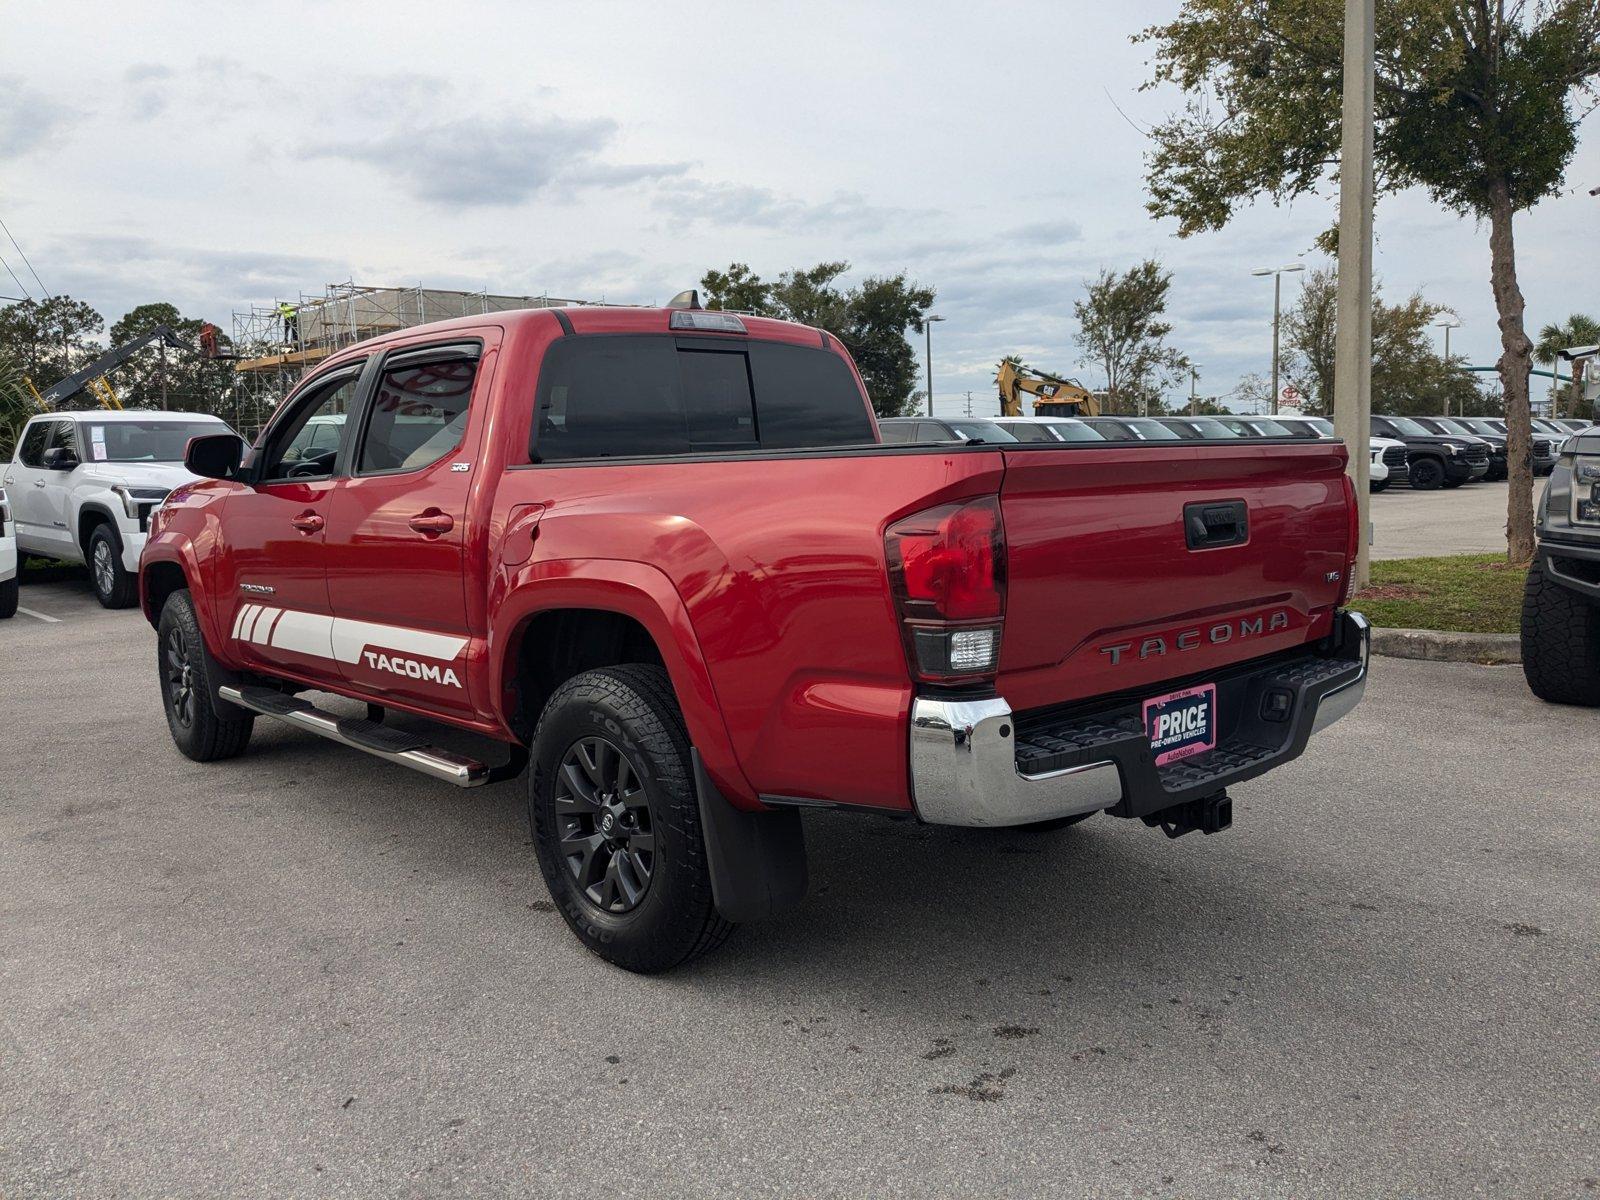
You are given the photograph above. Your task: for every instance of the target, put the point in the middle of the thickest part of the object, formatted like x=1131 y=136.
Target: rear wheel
x=1560 y=642
x=8 y=598
x=1427 y=474
x=616 y=821
x=114 y=587
x=186 y=688
x=1378 y=487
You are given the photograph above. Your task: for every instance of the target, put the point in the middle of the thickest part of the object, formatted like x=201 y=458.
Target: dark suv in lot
x=1542 y=457
x=1437 y=460
x=1561 y=603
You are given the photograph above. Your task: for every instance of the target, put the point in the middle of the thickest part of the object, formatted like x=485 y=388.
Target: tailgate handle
x=1209 y=524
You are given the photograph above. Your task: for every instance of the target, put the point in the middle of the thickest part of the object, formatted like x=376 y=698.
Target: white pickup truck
x=82 y=485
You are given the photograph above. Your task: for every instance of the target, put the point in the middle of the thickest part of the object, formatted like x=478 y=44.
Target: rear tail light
x=947 y=569
x=1352 y=543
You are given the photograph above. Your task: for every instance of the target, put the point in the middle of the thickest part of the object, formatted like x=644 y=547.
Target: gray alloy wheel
x=603 y=818
x=114 y=587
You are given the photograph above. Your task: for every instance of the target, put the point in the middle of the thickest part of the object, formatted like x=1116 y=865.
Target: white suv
x=82 y=486
x=8 y=560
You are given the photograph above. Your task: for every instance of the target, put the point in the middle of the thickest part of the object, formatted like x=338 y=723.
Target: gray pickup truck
x=1561 y=606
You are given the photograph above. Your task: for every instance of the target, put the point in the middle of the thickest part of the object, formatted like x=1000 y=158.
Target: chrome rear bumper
x=964 y=753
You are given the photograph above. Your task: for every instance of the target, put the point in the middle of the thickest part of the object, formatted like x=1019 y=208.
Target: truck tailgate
x=1105 y=592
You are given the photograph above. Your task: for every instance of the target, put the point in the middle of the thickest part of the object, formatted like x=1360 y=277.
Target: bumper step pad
x=1249 y=741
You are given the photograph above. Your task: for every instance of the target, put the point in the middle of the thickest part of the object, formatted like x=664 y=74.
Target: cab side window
x=308 y=443
x=418 y=414
x=30 y=451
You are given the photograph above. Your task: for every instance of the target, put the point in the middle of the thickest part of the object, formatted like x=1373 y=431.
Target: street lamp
x=1277 y=274
x=927 y=328
x=1447 y=326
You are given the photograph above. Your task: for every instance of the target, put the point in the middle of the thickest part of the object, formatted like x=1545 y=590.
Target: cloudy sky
x=221 y=155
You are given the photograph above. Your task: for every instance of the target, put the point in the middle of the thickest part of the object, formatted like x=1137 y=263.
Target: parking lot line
x=38 y=616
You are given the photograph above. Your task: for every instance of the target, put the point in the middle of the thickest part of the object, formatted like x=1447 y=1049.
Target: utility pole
x=969 y=404
x=927 y=328
x=1194 y=400
x=1352 y=371
x=1277 y=306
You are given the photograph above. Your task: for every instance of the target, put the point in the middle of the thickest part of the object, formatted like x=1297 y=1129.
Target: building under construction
x=271 y=357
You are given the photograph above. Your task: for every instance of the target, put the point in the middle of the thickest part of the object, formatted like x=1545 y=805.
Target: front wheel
x=1560 y=642
x=616 y=821
x=8 y=598
x=114 y=586
x=1427 y=474
x=1378 y=487
x=198 y=730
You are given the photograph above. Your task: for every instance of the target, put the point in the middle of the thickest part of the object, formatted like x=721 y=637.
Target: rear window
x=631 y=396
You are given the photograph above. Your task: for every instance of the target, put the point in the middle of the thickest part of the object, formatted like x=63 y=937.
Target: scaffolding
x=269 y=359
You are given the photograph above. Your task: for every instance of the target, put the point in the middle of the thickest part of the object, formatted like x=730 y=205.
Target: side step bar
x=391 y=745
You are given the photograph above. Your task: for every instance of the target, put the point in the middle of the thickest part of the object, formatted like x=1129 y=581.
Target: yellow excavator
x=1052 y=395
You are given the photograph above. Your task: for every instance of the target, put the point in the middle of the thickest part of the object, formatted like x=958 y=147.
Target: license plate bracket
x=1182 y=724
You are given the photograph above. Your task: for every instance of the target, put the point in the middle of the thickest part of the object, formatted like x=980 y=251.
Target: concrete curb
x=1438 y=645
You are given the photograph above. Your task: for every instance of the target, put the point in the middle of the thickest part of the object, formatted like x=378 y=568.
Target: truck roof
x=601 y=319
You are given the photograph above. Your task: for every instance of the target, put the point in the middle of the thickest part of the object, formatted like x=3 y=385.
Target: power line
x=28 y=264
x=14 y=279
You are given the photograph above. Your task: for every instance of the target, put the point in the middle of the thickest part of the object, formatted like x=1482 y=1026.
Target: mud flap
x=757 y=860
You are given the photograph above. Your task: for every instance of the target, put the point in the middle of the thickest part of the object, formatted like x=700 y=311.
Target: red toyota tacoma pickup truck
x=661 y=558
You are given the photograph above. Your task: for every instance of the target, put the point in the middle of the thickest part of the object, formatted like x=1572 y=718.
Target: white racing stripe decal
x=340 y=639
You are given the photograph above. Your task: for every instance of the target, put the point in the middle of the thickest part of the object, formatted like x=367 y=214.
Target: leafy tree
x=871 y=319
x=16 y=403
x=177 y=379
x=50 y=339
x=1409 y=377
x=1120 y=331
x=1478 y=101
x=737 y=289
x=1578 y=330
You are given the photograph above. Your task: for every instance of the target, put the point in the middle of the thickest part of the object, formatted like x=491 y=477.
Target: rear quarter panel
x=779 y=563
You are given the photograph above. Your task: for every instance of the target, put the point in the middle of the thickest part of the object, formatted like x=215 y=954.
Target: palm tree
x=15 y=404
x=1579 y=330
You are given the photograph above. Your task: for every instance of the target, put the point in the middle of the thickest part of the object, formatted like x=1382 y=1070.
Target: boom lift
x=92 y=377
x=1053 y=395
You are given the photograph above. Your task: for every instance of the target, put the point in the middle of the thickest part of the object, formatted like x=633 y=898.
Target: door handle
x=307 y=522
x=38 y=483
x=432 y=522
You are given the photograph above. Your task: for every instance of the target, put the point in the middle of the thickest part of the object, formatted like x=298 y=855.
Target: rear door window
x=648 y=395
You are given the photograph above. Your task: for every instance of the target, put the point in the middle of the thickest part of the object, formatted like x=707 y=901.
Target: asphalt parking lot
x=1470 y=519
x=303 y=973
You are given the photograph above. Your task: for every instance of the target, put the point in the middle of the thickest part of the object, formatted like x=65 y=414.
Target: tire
x=602 y=731
x=1560 y=642
x=1054 y=823
x=1378 y=487
x=185 y=670
x=113 y=586
x=8 y=598
x=1427 y=474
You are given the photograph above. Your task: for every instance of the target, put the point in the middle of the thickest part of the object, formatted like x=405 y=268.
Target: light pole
x=927 y=328
x=1447 y=326
x=1277 y=274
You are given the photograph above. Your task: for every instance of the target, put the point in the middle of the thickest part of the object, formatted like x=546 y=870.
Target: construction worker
x=291 y=323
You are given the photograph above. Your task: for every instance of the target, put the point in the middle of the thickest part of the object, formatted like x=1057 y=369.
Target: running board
x=391 y=745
